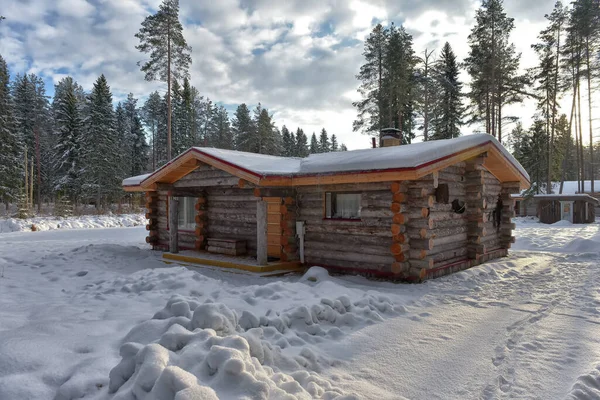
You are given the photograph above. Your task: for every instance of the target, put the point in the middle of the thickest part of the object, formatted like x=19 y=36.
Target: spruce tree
x=100 y=146
x=400 y=82
x=288 y=142
x=243 y=128
x=151 y=116
x=324 y=145
x=161 y=35
x=10 y=164
x=139 y=147
x=314 y=145
x=67 y=108
x=223 y=134
x=301 y=144
x=267 y=138
x=449 y=109
x=334 y=143
x=343 y=147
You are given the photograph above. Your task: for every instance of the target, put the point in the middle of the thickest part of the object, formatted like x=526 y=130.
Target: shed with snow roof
x=575 y=208
x=404 y=211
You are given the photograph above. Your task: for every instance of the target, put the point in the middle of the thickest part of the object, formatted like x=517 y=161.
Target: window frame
x=333 y=199
x=193 y=222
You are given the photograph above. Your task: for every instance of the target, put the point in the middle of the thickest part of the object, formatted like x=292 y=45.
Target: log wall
x=363 y=245
x=438 y=235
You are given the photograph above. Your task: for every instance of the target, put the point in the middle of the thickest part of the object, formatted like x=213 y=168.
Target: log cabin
x=575 y=208
x=407 y=212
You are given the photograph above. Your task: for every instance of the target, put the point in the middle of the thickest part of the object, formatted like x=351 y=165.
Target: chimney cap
x=391 y=132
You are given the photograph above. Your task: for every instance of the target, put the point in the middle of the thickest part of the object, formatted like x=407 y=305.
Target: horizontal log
x=341 y=256
x=348 y=238
x=401 y=257
x=346 y=187
x=224 y=250
x=376 y=213
x=204 y=182
x=225 y=216
x=151 y=239
x=374 y=226
x=378 y=250
x=416 y=213
x=397 y=248
x=438 y=241
x=399 y=198
x=400 y=219
x=417 y=233
x=421 y=264
x=228 y=244
x=396 y=229
x=398 y=187
x=399 y=267
x=422 y=244
x=400 y=238
x=419 y=192
x=426 y=201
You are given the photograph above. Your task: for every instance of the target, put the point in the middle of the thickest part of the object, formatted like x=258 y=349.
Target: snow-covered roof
x=395 y=159
x=134 y=180
x=568 y=197
x=261 y=164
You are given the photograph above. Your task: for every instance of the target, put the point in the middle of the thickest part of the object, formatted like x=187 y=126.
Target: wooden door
x=274 y=217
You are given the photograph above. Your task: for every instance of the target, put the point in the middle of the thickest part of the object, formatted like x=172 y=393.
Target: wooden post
x=261 y=232
x=173 y=225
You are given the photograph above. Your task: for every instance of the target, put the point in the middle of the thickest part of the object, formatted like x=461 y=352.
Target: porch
x=199 y=258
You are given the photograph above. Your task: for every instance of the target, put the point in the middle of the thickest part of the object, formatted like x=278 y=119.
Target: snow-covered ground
x=94 y=314
x=80 y=222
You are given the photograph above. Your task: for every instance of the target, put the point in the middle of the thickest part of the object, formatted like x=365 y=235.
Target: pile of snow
x=587 y=386
x=559 y=237
x=82 y=222
x=208 y=350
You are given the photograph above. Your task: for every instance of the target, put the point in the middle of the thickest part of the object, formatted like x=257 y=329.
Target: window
x=187 y=213
x=342 y=205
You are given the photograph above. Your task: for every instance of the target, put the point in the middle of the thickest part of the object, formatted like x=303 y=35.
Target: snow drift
x=82 y=222
x=192 y=350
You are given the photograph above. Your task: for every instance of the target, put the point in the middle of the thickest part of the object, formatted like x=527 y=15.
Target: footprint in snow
x=82 y=273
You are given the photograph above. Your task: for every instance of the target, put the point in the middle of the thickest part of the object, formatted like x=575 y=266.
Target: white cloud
x=299 y=58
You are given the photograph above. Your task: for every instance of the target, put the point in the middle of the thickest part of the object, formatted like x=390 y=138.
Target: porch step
x=276 y=267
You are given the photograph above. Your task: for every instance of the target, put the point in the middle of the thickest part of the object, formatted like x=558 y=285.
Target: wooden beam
x=261 y=233
x=173 y=225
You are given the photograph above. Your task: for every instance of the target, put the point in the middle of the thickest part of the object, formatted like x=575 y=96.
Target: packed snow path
x=527 y=326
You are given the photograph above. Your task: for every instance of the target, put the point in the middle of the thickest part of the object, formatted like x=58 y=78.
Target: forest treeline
x=421 y=93
x=79 y=145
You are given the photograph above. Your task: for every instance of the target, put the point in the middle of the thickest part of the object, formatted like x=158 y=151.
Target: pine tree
x=10 y=164
x=343 y=147
x=301 y=144
x=334 y=143
x=449 y=109
x=314 y=145
x=100 y=146
x=67 y=108
x=427 y=91
x=324 y=145
x=372 y=108
x=546 y=75
x=585 y=20
x=243 y=128
x=161 y=35
x=493 y=65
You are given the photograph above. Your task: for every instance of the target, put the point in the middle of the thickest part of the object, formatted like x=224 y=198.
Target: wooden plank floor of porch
x=233 y=263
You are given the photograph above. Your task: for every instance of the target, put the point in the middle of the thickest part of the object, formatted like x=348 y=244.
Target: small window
x=187 y=213
x=342 y=205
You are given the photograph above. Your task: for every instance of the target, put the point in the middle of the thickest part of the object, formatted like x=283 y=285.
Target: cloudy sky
x=298 y=58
